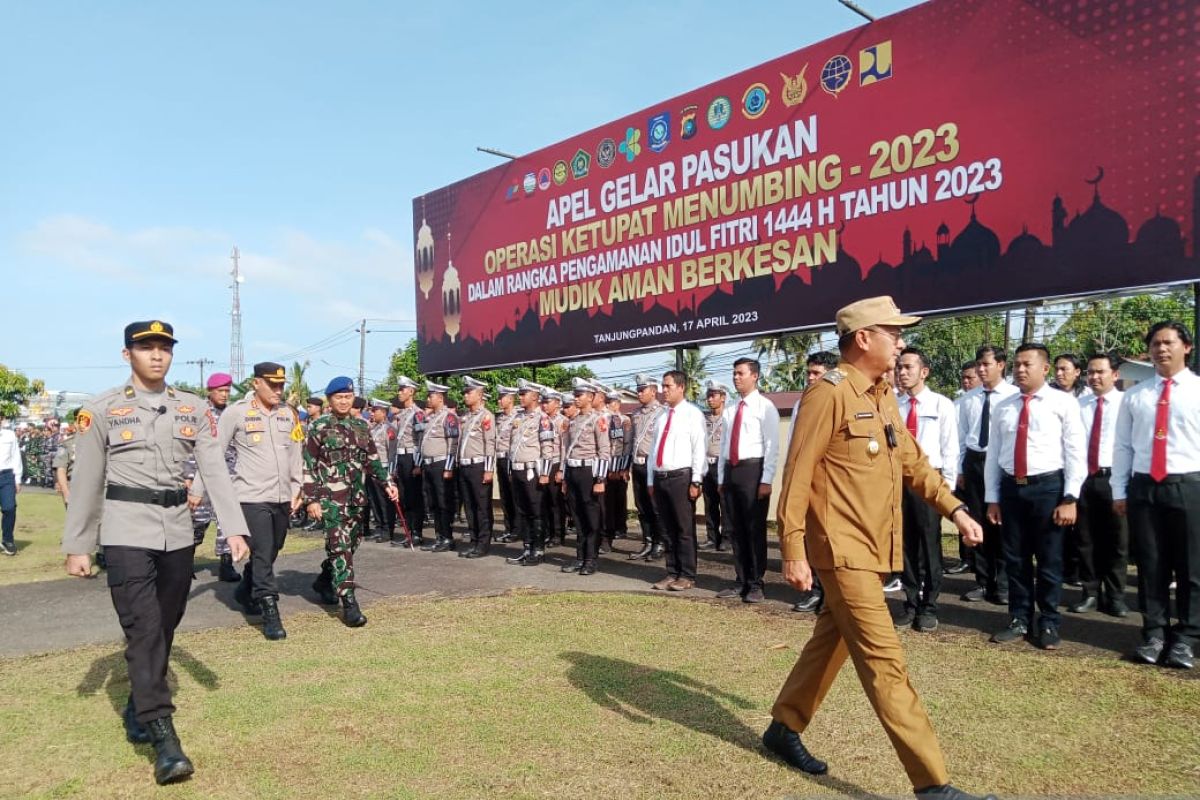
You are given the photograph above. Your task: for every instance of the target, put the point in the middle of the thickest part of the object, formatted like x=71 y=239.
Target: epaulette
x=834 y=376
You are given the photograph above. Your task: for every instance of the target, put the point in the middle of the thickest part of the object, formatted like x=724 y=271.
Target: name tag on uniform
x=253 y=426
x=864 y=415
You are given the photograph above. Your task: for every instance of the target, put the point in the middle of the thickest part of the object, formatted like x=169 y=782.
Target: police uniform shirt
x=269 y=448
x=840 y=503
x=588 y=444
x=439 y=439
x=683 y=446
x=409 y=424
x=380 y=434
x=142 y=440
x=533 y=444
x=1055 y=440
x=64 y=456
x=970 y=408
x=1134 y=440
x=477 y=439
x=504 y=426
x=759 y=437
x=620 y=435
x=937 y=430
x=10 y=453
x=643 y=430
x=1108 y=423
x=715 y=429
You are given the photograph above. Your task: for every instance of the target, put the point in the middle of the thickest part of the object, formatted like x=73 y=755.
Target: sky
x=143 y=141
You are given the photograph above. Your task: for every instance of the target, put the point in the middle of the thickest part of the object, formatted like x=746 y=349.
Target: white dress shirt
x=1055 y=440
x=10 y=453
x=1135 y=429
x=937 y=430
x=1108 y=423
x=686 y=445
x=759 y=437
x=970 y=408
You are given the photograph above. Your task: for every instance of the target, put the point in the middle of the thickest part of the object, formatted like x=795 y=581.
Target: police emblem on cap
x=156 y=327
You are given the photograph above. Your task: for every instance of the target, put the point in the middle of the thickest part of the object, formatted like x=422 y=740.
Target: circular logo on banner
x=718 y=114
x=544 y=178
x=560 y=172
x=835 y=75
x=755 y=100
x=606 y=153
x=530 y=182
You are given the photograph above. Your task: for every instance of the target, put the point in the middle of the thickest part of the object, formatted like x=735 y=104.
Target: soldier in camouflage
x=338 y=455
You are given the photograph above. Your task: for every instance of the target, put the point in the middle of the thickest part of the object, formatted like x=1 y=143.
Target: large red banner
x=961 y=154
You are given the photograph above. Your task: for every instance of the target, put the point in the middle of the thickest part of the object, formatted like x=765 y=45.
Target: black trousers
x=268 y=524
x=616 y=508
x=1164 y=520
x=747 y=521
x=507 y=502
x=412 y=493
x=553 y=512
x=677 y=513
x=586 y=504
x=922 y=576
x=381 y=508
x=527 y=498
x=443 y=502
x=991 y=569
x=647 y=514
x=1103 y=541
x=149 y=591
x=477 y=501
x=712 y=507
x=1027 y=521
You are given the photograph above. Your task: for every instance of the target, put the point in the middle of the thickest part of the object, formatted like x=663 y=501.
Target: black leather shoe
x=1048 y=638
x=574 y=566
x=475 y=553
x=587 y=569
x=1149 y=651
x=976 y=595
x=1117 y=608
x=507 y=538
x=323 y=586
x=443 y=545
x=135 y=732
x=754 y=596
x=948 y=792
x=707 y=546
x=1015 y=631
x=466 y=553
x=170 y=763
x=429 y=546
x=955 y=567
x=352 y=615
x=656 y=552
x=380 y=537
x=729 y=592
x=785 y=743
x=519 y=560
x=904 y=619
x=1179 y=657
x=926 y=623
x=225 y=571
x=272 y=624
x=605 y=546
x=535 y=558
x=812 y=603
x=645 y=551
x=1088 y=603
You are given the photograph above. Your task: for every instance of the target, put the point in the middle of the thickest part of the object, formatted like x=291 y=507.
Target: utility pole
x=237 y=361
x=362 y=357
x=201 y=362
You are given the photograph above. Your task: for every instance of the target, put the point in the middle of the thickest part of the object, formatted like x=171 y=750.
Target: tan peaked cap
x=871 y=311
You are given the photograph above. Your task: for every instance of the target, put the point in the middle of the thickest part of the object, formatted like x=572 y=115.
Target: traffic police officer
x=127 y=493
x=643 y=419
x=616 y=492
x=585 y=458
x=409 y=424
x=554 y=506
x=507 y=400
x=439 y=446
x=477 y=466
x=841 y=514
x=532 y=448
x=268 y=441
x=715 y=395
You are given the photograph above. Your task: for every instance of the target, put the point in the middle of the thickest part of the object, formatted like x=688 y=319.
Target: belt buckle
x=156 y=497
x=1021 y=481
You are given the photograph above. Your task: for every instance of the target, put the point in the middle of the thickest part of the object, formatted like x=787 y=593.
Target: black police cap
x=148 y=329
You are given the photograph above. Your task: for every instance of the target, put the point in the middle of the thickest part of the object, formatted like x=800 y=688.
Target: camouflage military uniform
x=338 y=454
x=64 y=458
x=202 y=515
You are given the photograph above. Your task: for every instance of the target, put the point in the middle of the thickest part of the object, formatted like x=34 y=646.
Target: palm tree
x=695 y=366
x=298 y=390
x=784 y=355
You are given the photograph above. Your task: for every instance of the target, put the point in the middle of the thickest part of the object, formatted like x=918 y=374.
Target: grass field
x=40 y=516
x=571 y=695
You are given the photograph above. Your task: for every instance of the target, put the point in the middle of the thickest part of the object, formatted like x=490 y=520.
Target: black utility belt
x=673 y=473
x=1178 y=477
x=1034 y=480
x=167 y=498
x=1103 y=472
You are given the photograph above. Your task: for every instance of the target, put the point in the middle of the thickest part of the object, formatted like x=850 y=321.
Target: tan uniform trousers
x=856 y=623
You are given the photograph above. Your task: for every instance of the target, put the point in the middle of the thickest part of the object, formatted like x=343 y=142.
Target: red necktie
x=735 y=437
x=1094 y=439
x=1158 y=453
x=911 y=422
x=1020 y=458
x=662 y=443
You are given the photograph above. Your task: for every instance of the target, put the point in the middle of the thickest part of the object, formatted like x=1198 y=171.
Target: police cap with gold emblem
x=270 y=372
x=148 y=329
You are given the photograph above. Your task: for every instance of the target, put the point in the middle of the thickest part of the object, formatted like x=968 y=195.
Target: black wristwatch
x=1070 y=498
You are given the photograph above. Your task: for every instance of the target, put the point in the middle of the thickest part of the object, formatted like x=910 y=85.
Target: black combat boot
x=351 y=614
x=323 y=586
x=135 y=731
x=170 y=763
x=272 y=624
x=226 y=572
x=535 y=558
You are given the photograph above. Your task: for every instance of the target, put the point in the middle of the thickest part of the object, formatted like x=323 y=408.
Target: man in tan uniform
x=840 y=512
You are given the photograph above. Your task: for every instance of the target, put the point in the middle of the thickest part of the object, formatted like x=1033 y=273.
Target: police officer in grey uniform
x=476 y=466
x=266 y=435
x=409 y=425
x=382 y=509
x=438 y=452
x=533 y=449
x=506 y=399
x=616 y=491
x=128 y=495
x=586 y=459
x=715 y=394
x=553 y=512
x=643 y=419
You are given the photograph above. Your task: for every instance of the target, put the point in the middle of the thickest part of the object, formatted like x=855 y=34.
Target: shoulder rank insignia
x=834 y=376
x=130 y=393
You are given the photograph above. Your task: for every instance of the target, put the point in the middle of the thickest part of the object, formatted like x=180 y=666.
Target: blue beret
x=339 y=384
